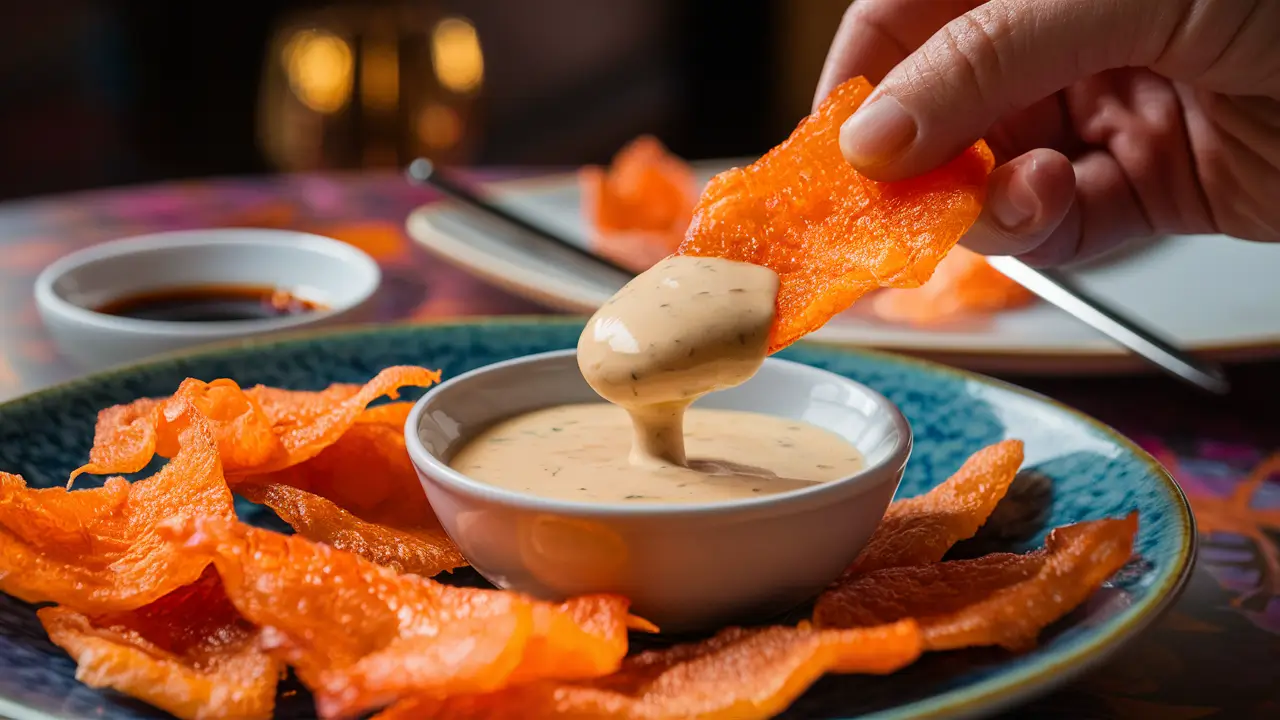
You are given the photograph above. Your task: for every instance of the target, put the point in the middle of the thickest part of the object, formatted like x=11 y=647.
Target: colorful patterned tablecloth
x=1215 y=655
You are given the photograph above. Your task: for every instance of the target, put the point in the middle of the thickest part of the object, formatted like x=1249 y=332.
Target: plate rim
x=983 y=697
x=439 y=243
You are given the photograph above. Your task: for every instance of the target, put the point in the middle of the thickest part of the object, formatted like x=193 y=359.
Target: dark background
x=107 y=92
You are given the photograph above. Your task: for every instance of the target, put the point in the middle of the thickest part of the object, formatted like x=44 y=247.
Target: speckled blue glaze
x=1077 y=470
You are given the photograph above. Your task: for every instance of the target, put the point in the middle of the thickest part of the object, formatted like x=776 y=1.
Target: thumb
x=1001 y=56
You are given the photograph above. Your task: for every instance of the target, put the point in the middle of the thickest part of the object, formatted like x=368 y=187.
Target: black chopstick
x=424 y=172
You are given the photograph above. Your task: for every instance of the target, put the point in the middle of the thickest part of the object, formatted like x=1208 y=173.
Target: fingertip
x=823 y=89
x=884 y=141
x=831 y=77
x=1105 y=213
x=877 y=135
x=1050 y=176
x=1042 y=183
x=1027 y=199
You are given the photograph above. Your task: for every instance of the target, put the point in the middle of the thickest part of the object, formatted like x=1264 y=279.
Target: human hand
x=1113 y=119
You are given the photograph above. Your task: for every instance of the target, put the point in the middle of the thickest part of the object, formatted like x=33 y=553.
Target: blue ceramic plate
x=1078 y=470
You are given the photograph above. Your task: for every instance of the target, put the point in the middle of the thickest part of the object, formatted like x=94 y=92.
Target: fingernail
x=1016 y=203
x=877 y=133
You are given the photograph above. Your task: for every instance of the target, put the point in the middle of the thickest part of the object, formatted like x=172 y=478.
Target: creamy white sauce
x=685 y=327
x=579 y=452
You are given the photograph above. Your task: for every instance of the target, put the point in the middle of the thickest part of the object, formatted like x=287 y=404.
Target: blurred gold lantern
x=370 y=85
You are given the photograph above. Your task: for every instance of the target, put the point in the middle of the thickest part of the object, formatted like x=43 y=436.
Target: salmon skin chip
x=920 y=591
x=1077 y=560
x=964 y=284
x=999 y=599
x=319 y=426
x=366 y=472
x=422 y=548
x=291 y=408
x=739 y=674
x=189 y=653
x=402 y=635
x=639 y=207
x=831 y=234
x=259 y=430
x=393 y=415
x=362 y=495
x=922 y=529
x=98 y=550
x=128 y=436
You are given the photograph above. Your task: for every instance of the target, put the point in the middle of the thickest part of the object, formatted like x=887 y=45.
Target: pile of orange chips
x=160 y=593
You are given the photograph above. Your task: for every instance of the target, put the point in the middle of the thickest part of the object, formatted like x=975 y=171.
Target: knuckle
x=865 y=11
x=968 y=55
x=873 y=15
x=859 y=12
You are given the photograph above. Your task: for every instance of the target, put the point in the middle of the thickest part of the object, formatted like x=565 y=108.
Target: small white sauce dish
x=334 y=274
x=686 y=567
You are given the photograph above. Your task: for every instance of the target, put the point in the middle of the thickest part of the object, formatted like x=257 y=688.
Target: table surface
x=1216 y=654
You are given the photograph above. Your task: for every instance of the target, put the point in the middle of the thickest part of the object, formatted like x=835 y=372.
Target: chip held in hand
x=831 y=234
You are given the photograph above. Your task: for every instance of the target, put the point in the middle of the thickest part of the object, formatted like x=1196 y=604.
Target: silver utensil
x=1056 y=289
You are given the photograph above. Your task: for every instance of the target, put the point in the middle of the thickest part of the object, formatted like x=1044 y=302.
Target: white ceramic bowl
x=320 y=269
x=685 y=567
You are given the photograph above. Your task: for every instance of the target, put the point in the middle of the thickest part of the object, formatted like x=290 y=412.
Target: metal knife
x=1055 y=288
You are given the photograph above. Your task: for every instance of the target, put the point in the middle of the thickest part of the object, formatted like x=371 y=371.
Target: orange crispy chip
x=98 y=550
x=366 y=472
x=298 y=407
x=922 y=529
x=422 y=549
x=245 y=434
x=639 y=208
x=963 y=284
x=314 y=427
x=400 y=635
x=920 y=591
x=125 y=436
x=188 y=653
x=831 y=234
x=999 y=599
x=739 y=674
x=393 y=415
x=361 y=494
x=128 y=436
x=594 y=626
x=259 y=430
x=1078 y=559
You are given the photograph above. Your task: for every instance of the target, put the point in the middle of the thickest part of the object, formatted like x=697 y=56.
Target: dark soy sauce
x=211 y=303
